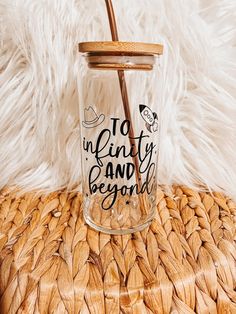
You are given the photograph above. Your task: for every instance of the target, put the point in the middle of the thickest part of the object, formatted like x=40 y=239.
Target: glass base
x=118 y=231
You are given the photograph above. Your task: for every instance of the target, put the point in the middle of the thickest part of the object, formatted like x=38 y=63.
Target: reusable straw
x=125 y=98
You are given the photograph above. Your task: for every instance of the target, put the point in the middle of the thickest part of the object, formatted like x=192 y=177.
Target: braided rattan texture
x=51 y=262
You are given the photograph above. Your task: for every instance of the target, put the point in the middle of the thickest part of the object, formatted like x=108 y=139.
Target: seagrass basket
x=51 y=262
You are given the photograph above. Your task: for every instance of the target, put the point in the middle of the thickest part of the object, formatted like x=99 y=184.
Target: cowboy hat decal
x=91 y=119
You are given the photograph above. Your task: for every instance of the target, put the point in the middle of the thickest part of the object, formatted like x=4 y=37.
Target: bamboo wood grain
x=121 y=46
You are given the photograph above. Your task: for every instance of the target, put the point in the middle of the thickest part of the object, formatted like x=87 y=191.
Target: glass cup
x=119 y=134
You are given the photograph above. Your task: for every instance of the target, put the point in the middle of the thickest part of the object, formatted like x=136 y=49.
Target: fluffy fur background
x=39 y=116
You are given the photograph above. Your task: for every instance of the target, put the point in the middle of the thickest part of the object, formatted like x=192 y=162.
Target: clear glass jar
x=118 y=102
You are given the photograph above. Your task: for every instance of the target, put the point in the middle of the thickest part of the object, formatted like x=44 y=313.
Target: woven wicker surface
x=51 y=262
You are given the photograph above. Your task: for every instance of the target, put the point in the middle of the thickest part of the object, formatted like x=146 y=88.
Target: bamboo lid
x=121 y=47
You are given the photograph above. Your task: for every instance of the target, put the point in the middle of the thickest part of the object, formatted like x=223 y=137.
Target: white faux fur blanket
x=39 y=109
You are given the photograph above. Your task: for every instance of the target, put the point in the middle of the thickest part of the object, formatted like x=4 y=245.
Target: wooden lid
x=121 y=47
